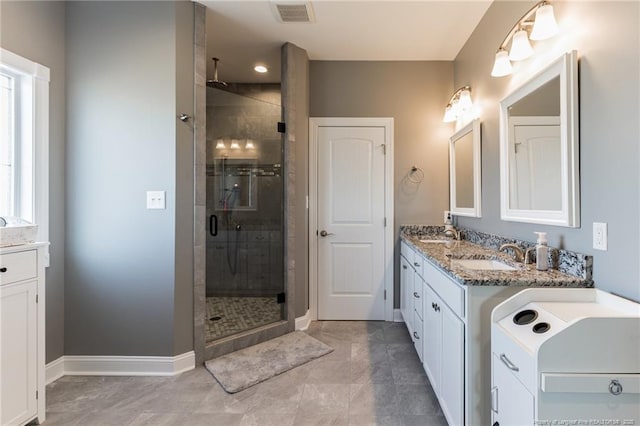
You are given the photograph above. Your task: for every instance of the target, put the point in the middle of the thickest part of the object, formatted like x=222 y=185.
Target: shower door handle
x=213 y=225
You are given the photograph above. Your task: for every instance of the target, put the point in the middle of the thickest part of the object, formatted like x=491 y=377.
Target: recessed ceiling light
x=260 y=68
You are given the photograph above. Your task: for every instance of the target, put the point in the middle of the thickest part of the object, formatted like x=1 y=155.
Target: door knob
x=324 y=233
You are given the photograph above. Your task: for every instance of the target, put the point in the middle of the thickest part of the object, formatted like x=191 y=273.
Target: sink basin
x=433 y=241
x=483 y=264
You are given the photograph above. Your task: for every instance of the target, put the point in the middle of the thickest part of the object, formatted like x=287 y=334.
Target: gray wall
x=128 y=269
x=295 y=106
x=184 y=177
x=45 y=43
x=414 y=94
x=606 y=35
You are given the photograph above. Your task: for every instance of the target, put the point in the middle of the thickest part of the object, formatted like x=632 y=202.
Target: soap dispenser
x=542 y=251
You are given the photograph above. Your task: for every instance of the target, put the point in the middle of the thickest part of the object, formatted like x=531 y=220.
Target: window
x=24 y=140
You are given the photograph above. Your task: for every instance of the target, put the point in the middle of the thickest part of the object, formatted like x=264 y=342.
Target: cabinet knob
x=415 y=334
x=404 y=266
x=433 y=305
x=3 y=269
x=416 y=295
x=615 y=387
x=416 y=264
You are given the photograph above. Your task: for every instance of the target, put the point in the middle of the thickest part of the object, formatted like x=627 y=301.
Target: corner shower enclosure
x=245 y=229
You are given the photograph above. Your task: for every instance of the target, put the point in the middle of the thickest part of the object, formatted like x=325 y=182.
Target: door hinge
x=385 y=222
x=36 y=394
x=385 y=295
x=384 y=149
x=36 y=298
x=282 y=127
x=280 y=298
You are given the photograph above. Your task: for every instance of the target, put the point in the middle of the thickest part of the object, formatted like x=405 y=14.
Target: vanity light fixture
x=544 y=27
x=234 y=144
x=459 y=105
x=249 y=144
x=220 y=144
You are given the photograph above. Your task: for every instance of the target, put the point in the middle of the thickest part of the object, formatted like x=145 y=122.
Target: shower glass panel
x=245 y=273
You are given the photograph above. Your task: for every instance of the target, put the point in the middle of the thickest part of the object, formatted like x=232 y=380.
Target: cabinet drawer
x=418 y=327
x=513 y=357
x=450 y=293
x=417 y=295
x=18 y=266
x=407 y=252
x=418 y=263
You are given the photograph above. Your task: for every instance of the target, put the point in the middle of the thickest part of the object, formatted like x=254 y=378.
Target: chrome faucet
x=453 y=232
x=518 y=254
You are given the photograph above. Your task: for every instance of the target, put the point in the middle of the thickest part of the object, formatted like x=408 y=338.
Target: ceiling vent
x=293 y=11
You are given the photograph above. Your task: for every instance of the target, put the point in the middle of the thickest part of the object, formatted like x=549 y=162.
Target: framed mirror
x=464 y=171
x=539 y=157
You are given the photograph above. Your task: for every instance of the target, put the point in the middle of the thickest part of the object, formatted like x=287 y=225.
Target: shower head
x=215 y=83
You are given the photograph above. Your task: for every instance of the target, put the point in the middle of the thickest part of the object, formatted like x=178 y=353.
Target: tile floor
x=232 y=315
x=373 y=377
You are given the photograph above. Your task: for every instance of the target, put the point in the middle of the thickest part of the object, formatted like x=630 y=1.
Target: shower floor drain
x=215 y=318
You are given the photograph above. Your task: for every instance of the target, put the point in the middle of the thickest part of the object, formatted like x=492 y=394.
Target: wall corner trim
x=54 y=370
x=397 y=315
x=89 y=365
x=302 y=323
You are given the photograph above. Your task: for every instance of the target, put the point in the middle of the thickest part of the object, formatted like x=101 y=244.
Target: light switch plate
x=156 y=200
x=600 y=236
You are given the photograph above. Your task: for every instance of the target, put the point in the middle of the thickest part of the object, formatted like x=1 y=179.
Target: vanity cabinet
x=22 y=395
x=455 y=335
x=444 y=348
x=411 y=284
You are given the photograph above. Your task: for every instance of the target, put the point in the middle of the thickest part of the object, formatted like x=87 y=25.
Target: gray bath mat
x=239 y=370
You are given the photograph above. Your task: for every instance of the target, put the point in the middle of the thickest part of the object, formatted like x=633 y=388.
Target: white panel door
x=351 y=189
x=537 y=167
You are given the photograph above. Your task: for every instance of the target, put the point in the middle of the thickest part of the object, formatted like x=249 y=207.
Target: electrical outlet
x=156 y=200
x=600 y=236
x=447 y=216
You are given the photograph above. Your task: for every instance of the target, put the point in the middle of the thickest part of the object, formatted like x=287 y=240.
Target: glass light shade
x=449 y=116
x=520 y=46
x=235 y=144
x=545 y=25
x=249 y=144
x=261 y=69
x=220 y=144
x=502 y=65
x=465 y=103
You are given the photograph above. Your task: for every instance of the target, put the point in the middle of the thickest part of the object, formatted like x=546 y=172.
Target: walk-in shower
x=245 y=271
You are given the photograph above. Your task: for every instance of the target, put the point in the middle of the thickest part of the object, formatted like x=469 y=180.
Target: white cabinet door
x=406 y=292
x=452 y=366
x=511 y=403
x=432 y=331
x=18 y=352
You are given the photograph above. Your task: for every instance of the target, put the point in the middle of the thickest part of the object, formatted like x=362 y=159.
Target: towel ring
x=416 y=175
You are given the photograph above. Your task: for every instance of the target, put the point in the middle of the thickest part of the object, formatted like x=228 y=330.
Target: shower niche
x=235 y=187
x=245 y=229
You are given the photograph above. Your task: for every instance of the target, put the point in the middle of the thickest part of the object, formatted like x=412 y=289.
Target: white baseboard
x=74 y=365
x=397 y=316
x=302 y=323
x=54 y=370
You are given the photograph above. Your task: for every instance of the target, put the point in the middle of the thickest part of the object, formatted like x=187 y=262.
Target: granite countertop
x=442 y=255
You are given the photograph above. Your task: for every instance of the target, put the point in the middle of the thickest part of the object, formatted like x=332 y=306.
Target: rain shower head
x=215 y=83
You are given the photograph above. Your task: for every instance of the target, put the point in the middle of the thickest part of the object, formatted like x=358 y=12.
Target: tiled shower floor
x=235 y=314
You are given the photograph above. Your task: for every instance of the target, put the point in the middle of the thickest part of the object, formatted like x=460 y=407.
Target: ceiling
x=242 y=33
